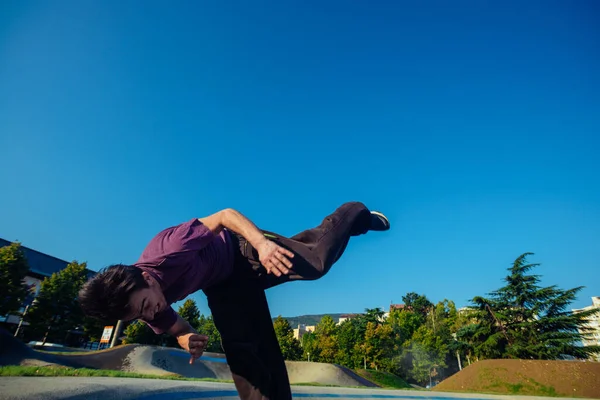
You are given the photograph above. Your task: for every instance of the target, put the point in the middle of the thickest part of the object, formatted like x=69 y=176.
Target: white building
x=302 y=329
x=592 y=337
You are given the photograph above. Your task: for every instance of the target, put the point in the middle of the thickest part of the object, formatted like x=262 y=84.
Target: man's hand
x=193 y=343
x=274 y=257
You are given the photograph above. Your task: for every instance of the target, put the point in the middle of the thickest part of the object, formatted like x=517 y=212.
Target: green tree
x=310 y=348
x=327 y=346
x=93 y=328
x=189 y=312
x=206 y=326
x=56 y=310
x=417 y=303
x=290 y=346
x=428 y=352
x=378 y=346
x=348 y=335
x=373 y=315
x=138 y=332
x=526 y=321
x=13 y=269
x=404 y=324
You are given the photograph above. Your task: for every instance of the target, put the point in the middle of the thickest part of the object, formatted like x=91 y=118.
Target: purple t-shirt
x=184 y=259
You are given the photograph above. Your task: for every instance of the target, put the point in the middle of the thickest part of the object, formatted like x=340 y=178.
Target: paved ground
x=73 y=388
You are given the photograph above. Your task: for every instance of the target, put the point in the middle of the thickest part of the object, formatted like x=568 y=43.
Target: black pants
x=239 y=305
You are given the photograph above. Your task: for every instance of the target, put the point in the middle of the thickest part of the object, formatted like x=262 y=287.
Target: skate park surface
x=73 y=388
x=326 y=380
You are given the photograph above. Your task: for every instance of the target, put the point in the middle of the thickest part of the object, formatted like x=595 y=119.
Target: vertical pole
x=116 y=333
x=21 y=321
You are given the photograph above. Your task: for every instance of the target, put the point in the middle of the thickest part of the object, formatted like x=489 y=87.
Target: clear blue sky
x=474 y=126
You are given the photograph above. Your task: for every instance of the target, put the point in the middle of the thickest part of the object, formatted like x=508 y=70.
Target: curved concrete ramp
x=15 y=352
x=168 y=361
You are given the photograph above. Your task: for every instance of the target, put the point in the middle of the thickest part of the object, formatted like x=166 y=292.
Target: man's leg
x=317 y=249
x=241 y=315
x=240 y=308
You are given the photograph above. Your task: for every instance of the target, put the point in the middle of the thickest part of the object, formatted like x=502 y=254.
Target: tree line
x=421 y=341
x=54 y=315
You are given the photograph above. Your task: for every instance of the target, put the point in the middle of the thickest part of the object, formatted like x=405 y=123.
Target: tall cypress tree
x=526 y=321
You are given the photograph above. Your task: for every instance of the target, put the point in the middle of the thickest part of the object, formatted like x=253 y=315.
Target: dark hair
x=106 y=295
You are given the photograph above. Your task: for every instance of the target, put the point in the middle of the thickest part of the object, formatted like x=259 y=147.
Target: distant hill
x=309 y=319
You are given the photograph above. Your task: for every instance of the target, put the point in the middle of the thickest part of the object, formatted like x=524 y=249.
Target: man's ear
x=148 y=278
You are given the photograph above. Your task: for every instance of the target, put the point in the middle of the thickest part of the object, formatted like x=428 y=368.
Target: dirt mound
x=527 y=377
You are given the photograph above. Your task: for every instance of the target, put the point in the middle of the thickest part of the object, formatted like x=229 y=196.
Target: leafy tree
x=13 y=269
x=428 y=352
x=206 y=326
x=349 y=334
x=326 y=331
x=189 y=312
x=373 y=315
x=56 y=310
x=290 y=346
x=524 y=320
x=465 y=342
x=138 y=332
x=378 y=346
x=418 y=303
x=404 y=324
x=93 y=328
x=310 y=348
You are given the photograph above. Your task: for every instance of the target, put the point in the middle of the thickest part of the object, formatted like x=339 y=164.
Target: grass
x=17 y=370
x=526 y=386
x=69 y=353
x=531 y=388
x=384 y=379
x=387 y=381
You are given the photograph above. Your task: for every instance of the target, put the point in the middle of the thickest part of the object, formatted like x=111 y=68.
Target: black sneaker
x=379 y=222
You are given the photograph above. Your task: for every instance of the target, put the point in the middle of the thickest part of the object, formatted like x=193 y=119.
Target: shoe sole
x=384 y=218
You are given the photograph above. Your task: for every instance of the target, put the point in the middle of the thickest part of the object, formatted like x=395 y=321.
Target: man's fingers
x=286 y=252
x=280 y=265
x=273 y=267
x=287 y=263
x=196 y=341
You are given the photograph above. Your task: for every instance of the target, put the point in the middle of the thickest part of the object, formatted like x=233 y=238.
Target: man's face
x=145 y=303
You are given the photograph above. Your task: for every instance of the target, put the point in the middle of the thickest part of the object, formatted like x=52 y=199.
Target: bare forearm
x=181 y=327
x=273 y=257
x=235 y=221
x=188 y=338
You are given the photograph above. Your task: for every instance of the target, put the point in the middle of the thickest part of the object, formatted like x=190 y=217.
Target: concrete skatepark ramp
x=168 y=361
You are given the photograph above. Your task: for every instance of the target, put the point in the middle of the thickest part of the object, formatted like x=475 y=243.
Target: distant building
x=592 y=337
x=345 y=317
x=393 y=307
x=302 y=330
x=397 y=307
x=41 y=266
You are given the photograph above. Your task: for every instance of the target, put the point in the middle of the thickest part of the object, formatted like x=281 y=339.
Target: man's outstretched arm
x=273 y=257
x=188 y=338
